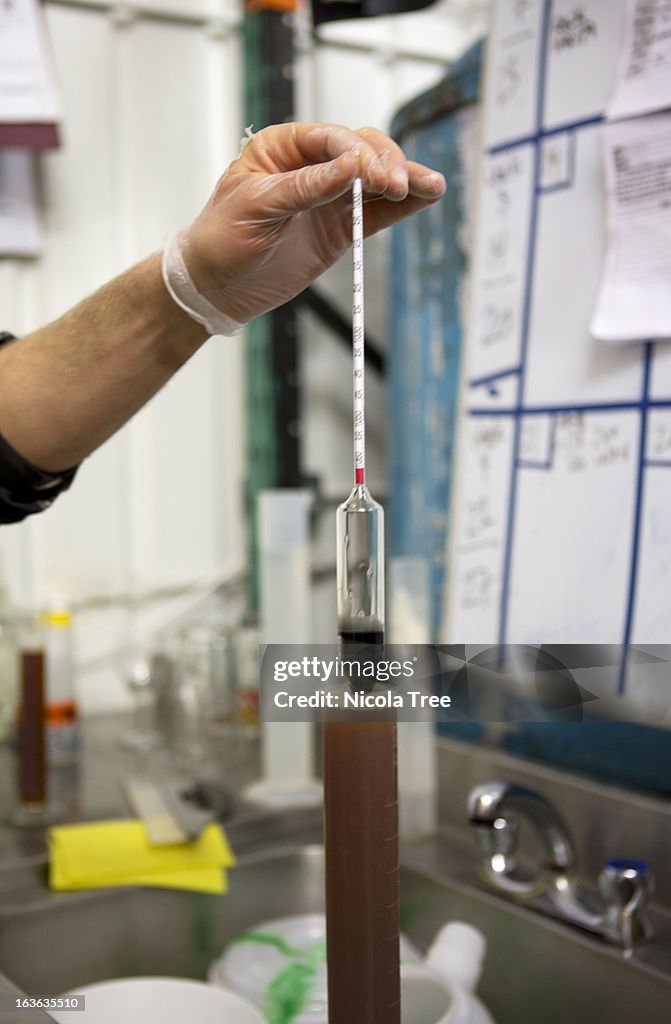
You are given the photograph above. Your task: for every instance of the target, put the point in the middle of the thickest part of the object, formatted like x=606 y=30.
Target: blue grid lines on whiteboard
x=564 y=404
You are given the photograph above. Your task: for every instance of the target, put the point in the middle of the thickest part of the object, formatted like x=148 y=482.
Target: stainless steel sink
x=536 y=970
x=77 y=938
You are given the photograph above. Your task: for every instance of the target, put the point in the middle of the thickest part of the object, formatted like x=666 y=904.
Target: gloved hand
x=281 y=214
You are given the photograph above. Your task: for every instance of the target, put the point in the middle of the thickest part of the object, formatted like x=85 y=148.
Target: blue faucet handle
x=625 y=882
x=629 y=864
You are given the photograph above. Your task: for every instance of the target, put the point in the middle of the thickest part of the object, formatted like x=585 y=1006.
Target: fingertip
x=340 y=173
x=331 y=180
x=439 y=183
x=346 y=165
x=427 y=184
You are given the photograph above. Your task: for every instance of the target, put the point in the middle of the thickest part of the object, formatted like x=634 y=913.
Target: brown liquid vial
x=31 y=732
x=355 y=636
x=362 y=872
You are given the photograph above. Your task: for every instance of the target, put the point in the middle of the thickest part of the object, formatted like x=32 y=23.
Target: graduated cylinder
x=360 y=799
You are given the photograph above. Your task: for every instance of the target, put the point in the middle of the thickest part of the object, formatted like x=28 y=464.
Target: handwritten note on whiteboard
x=644 y=78
x=511 y=76
x=635 y=297
x=28 y=90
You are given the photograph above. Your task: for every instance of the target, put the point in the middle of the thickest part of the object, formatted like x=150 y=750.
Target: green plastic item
x=287 y=992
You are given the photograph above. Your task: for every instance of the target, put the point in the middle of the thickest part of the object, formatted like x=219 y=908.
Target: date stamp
x=17 y=1001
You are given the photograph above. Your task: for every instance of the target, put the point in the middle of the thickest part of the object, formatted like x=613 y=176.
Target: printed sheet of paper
x=635 y=298
x=28 y=90
x=20 y=233
x=643 y=84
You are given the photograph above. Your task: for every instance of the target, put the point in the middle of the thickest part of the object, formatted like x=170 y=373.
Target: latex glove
x=281 y=214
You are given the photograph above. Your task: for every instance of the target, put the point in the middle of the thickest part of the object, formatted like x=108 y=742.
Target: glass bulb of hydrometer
x=360 y=540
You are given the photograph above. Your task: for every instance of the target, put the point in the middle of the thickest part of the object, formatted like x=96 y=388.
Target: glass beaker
x=204 y=694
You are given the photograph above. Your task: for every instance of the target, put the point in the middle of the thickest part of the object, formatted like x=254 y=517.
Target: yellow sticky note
x=119 y=850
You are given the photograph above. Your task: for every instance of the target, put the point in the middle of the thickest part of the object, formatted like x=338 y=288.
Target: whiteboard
x=561 y=527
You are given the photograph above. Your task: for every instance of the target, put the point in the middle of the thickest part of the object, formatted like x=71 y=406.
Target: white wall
x=153 y=113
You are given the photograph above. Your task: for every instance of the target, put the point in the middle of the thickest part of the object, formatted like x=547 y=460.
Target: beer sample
x=362 y=872
x=31 y=733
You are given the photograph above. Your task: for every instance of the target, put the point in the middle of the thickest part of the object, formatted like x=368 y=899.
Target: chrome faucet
x=496 y=810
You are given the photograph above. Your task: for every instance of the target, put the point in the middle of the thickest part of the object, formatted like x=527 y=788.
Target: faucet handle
x=626 y=886
x=626 y=883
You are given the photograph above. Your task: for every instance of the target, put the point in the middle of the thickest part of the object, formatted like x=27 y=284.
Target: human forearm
x=69 y=386
x=279 y=216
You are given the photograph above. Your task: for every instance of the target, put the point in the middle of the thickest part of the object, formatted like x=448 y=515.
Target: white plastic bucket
x=161 y=1001
x=428 y=998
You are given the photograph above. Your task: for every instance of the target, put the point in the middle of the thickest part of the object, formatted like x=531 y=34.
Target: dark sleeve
x=25 y=489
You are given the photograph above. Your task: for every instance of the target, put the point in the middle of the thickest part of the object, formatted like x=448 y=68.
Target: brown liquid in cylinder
x=362 y=876
x=31 y=731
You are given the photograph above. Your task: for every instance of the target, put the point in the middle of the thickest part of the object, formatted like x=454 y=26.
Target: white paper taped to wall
x=634 y=301
x=644 y=77
x=28 y=90
x=20 y=233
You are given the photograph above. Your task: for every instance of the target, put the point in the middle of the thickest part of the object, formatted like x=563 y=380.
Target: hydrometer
x=360 y=520
x=360 y=786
